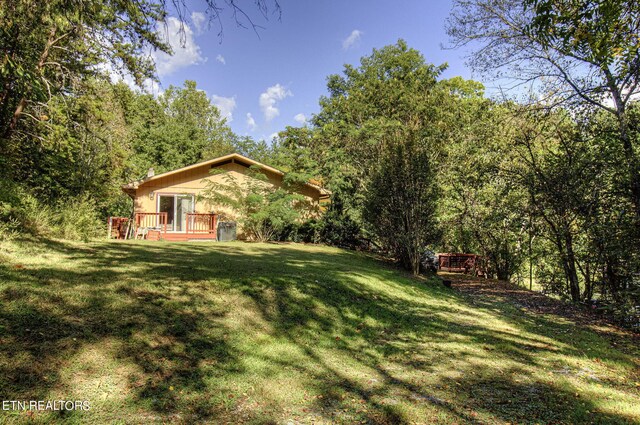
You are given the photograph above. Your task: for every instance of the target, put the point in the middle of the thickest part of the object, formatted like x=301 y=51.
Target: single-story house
x=168 y=205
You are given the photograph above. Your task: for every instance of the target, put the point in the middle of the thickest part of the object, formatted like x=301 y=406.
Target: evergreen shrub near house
x=304 y=232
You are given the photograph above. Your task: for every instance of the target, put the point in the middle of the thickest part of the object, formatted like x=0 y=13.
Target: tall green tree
x=577 y=53
x=391 y=86
x=401 y=199
x=393 y=104
x=46 y=45
x=560 y=173
x=178 y=128
x=483 y=209
x=79 y=147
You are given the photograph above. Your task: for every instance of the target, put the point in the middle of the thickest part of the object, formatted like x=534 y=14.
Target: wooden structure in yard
x=462 y=263
x=118 y=227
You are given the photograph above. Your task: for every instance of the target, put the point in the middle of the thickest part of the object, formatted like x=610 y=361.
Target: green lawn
x=262 y=333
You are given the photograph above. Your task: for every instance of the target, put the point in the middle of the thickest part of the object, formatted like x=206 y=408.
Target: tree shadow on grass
x=155 y=301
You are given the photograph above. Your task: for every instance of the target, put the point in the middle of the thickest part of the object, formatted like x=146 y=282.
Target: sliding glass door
x=184 y=205
x=176 y=207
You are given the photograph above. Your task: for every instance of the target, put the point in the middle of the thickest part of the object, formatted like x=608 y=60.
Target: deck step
x=188 y=236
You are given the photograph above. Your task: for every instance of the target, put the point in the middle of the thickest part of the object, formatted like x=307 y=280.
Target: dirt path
x=537 y=303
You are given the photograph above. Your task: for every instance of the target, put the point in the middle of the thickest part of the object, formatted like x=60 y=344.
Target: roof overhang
x=130 y=188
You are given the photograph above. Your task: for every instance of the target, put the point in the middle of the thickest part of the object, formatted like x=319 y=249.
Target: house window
x=176 y=206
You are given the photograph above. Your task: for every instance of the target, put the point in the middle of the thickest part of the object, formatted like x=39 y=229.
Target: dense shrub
x=77 y=219
x=305 y=232
x=337 y=228
x=74 y=218
x=9 y=229
x=25 y=211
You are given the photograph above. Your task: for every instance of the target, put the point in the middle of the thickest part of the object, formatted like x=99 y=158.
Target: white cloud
x=226 y=105
x=148 y=85
x=251 y=123
x=300 y=118
x=221 y=59
x=273 y=136
x=268 y=101
x=198 y=19
x=353 y=38
x=152 y=87
x=185 y=50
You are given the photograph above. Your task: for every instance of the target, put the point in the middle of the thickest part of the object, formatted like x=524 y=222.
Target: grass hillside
x=262 y=333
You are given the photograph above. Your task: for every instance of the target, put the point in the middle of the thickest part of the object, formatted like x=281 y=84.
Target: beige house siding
x=194 y=181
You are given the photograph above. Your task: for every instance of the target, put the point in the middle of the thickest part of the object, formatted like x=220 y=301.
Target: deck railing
x=152 y=220
x=201 y=223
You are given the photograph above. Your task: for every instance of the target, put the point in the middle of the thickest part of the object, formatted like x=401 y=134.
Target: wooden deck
x=155 y=226
x=188 y=237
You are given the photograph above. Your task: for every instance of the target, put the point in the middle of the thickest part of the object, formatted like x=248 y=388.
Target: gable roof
x=235 y=157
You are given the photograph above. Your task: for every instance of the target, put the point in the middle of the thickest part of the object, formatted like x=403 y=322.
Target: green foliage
x=21 y=209
x=48 y=46
x=80 y=149
x=600 y=32
x=77 y=219
x=9 y=230
x=393 y=100
x=338 y=228
x=262 y=209
x=578 y=51
x=305 y=232
x=179 y=128
x=482 y=209
x=401 y=201
x=257 y=150
x=393 y=86
x=72 y=218
x=581 y=54
x=45 y=46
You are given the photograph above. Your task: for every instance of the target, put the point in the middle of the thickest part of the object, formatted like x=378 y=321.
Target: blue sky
x=264 y=84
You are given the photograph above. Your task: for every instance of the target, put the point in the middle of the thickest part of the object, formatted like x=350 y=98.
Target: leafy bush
x=24 y=210
x=263 y=210
x=306 y=232
x=9 y=229
x=77 y=219
x=337 y=228
x=36 y=217
x=74 y=218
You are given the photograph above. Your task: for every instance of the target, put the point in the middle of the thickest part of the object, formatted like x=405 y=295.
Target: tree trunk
x=632 y=164
x=14 y=119
x=23 y=101
x=570 y=269
x=587 y=295
x=627 y=144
